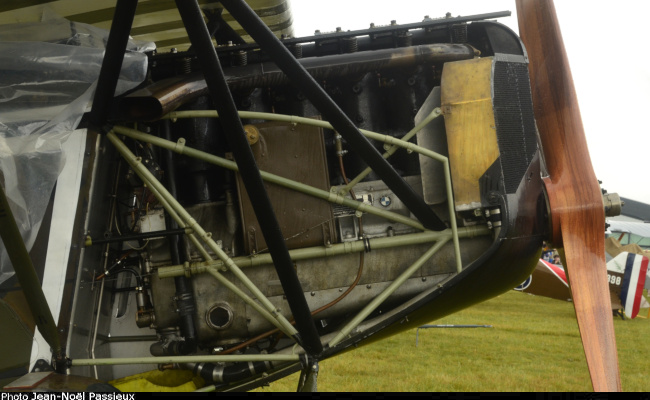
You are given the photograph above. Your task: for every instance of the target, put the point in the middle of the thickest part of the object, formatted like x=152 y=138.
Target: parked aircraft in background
x=627 y=274
x=207 y=222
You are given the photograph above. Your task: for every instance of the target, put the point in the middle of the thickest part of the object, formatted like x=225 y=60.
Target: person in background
x=547 y=253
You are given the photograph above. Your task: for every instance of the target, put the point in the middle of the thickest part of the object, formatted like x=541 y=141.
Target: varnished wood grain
x=574 y=193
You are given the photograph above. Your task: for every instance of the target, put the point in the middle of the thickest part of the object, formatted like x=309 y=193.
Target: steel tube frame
x=331 y=196
x=197 y=31
x=222 y=279
x=376 y=302
x=109 y=73
x=172 y=213
x=277 y=322
x=137 y=236
x=27 y=277
x=319 y=98
x=184 y=359
x=373 y=135
x=392 y=149
x=260 y=201
x=326 y=251
x=187 y=221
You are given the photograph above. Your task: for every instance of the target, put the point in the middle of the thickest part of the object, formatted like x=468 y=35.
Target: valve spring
x=405 y=39
x=458 y=33
x=296 y=50
x=350 y=45
x=186 y=65
x=240 y=58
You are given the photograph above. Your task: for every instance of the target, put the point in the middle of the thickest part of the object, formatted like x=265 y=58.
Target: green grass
x=534 y=345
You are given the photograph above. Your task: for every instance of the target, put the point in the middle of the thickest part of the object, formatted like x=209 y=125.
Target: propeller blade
x=577 y=213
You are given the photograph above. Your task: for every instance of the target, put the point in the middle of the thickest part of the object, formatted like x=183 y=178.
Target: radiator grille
x=515 y=122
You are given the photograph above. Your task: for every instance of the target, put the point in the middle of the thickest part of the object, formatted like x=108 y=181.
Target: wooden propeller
x=576 y=205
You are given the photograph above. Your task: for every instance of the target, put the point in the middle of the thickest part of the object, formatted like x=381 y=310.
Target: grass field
x=534 y=345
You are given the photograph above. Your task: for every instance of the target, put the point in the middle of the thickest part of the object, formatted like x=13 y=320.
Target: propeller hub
x=613 y=204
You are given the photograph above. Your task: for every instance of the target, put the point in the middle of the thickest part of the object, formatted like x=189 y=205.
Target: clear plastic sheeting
x=48 y=75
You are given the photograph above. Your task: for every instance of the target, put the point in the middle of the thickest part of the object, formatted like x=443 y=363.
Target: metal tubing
x=319 y=98
x=288 y=183
x=251 y=302
x=392 y=149
x=137 y=236
x=159 y=190
x=376 y=302
x=208 y=259
x=185 y=359
x=27 y=277
x=172 y=213
x=305 y=121
x=93 y=342
x=376 y=136
x=185 y=304
x=97 y=314
x=324 y=251
x=452 y=216
x=158 y=99
x=128 y=338
x=112 y=62
x=220 y=94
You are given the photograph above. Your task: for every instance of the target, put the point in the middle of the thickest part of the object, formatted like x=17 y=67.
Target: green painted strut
x=326 y=251
x=185 y=359
x=372 y=135
x=331 y=196
x=152 y=182
x=206 y=256
x=27 y=277
x=376 y=302
x=392 y=149
x=168 y=207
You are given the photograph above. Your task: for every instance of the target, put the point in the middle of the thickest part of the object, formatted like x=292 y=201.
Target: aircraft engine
x=447 y=104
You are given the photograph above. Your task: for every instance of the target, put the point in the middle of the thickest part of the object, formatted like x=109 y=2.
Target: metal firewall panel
x=432 y=137
x=295 y=152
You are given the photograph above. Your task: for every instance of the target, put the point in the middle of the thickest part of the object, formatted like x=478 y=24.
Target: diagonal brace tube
x=109 y=73
x=373 y=135
x=376 y=302
x=392 y=149
x=315 y=93
x=278 y=180
x=206 y=256
x=224 y=103
x=222 y=279
x=186 y=220
x=27 y=277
